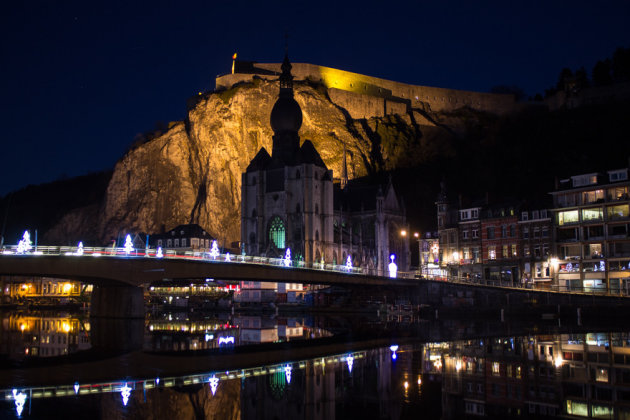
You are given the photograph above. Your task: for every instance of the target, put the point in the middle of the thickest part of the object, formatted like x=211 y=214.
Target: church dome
x=286 y=115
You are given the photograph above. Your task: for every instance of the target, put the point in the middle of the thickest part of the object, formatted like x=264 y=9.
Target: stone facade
x=289 y=201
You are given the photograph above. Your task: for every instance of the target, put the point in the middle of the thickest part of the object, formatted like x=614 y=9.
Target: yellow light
x=458 y=365
x=403 y=233
x=406 y=384
x=416 y=235
x=67 y=287
x=22 y=327
x=419 y=380
x=558 y=361
x=66 y=327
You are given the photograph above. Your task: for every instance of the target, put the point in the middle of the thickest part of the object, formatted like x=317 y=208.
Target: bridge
x=118 y=275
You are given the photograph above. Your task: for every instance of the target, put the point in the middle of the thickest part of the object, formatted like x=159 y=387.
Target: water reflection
x=184 y=370
x=42 y=334
x=181 y=332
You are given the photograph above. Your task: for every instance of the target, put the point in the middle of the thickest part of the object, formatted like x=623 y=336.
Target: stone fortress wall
x=364 y=96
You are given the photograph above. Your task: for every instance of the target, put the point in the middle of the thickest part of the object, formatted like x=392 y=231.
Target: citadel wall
x=365 y=96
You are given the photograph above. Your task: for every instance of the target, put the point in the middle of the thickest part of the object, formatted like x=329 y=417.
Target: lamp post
x=417 y=236
x=403 y=235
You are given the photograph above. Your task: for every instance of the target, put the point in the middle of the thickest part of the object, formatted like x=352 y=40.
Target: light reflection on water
x=570 y=371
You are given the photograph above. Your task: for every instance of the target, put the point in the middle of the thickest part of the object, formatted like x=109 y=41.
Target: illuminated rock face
x=192 y=173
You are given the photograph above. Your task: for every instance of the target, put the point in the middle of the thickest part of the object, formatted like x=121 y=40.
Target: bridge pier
x=117 y=302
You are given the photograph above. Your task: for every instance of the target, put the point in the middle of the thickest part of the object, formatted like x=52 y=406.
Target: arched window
x=277 y=232
x=254 y=214
x=297 y=208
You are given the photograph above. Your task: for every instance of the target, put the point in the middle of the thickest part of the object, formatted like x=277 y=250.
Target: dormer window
x=582 y=180
x=524 y=216
x=616 y=176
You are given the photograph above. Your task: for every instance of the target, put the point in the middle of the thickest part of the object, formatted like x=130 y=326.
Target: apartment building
x=591 y=231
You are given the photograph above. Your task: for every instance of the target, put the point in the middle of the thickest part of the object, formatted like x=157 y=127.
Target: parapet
x=438 y=99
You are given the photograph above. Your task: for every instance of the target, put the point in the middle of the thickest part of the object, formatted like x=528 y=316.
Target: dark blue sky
x=80 y=79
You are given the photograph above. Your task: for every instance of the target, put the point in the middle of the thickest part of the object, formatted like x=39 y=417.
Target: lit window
x=565 y=217
x=277 y=232
x=514 y=251
x=496 y=369
x=492 y=253
x=593 y=214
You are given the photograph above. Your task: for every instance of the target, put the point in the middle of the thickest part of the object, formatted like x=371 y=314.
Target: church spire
x=286 y=78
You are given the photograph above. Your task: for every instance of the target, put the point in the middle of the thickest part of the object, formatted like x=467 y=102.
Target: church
x=289 y=200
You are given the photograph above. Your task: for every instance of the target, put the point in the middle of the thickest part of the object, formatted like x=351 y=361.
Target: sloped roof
x=308 y=154
x=260 y=161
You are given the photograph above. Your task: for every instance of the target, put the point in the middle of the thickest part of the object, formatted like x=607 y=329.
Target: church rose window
x=277 y=232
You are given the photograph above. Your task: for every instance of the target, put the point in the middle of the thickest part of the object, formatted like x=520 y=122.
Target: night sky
x=81 y=79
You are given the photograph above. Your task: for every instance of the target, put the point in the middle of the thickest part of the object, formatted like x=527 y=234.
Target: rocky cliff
x=192 y=172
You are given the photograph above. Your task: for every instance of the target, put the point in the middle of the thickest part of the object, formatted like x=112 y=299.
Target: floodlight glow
x=76 y=387
x=349 y=263
x=393 y=347
x=80 y=248
x=227 y=257
x=350 y=362
x=159 y=253
x=214 y=383
x=209 y=337
x=287 y=372
x=125 y=392
x=558 y=362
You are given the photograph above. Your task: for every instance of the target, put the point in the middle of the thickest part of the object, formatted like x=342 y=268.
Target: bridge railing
x=74 y=251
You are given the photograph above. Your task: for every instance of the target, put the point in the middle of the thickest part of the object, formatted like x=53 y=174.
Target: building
x=508 y=242
x=535 y=245
x=190 y=237
x=591 y=231
x=289 y=202
x=499 y=244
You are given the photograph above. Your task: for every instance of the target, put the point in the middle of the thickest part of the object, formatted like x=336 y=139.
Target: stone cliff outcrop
x=192 y=172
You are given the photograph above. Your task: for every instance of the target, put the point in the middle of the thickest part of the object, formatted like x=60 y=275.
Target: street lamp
x=417 y=236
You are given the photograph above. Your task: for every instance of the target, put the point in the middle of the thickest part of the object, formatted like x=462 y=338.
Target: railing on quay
x=540 y=287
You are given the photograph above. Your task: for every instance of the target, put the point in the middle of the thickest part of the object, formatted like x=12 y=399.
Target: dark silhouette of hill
x=42 y=206
x=518 y=156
